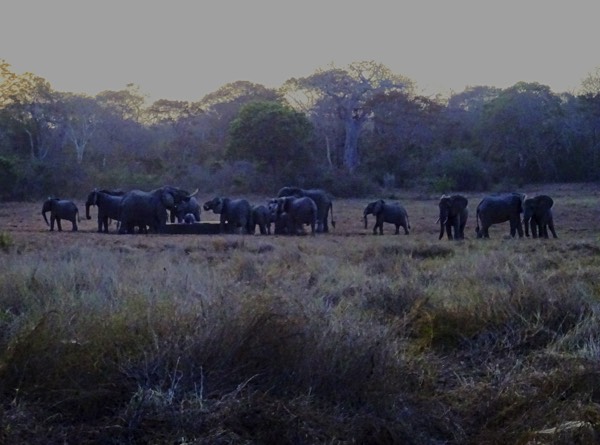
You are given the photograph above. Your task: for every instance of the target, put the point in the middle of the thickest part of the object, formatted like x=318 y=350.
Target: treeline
x=351 y=130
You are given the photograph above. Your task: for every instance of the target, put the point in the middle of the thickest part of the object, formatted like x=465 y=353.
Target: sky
x=183 y=50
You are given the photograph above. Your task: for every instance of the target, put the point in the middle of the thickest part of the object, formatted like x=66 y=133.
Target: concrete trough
x=201 y=228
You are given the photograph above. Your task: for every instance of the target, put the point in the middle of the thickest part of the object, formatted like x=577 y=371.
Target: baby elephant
x=60 y=209
x=389 y=213
x=189 y=218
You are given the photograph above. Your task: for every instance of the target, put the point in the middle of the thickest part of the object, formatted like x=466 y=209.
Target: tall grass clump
x=325 y=339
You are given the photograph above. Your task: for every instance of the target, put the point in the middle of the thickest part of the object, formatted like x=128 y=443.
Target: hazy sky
x=183 y=50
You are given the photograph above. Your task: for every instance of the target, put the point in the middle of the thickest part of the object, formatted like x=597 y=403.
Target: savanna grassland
x=343 y=338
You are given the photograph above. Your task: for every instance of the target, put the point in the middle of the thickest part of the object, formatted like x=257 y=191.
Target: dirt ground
x=576 y=214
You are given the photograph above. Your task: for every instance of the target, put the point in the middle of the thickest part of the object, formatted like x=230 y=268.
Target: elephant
x=262 y=217
x=108 y=203
x=321 y=198
x=60 y=209
x=389 y=213
x=281 y=224
x=537 y=211
x=236 y=214
x=453 y=216
x=140 y=208
x=183 y=208
x=189 y=218
x=496 y=209
x=298 y=211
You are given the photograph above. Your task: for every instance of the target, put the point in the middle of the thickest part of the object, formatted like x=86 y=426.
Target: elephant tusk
x=437 y=221
x=192 y=194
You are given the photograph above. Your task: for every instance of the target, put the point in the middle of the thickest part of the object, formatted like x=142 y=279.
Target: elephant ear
x=167 y=199
x=458 y=203
x=378 y=207
x=217 y=205
x=544 y=202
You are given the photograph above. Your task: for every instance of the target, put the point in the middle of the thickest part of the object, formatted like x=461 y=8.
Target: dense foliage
x=362 y=119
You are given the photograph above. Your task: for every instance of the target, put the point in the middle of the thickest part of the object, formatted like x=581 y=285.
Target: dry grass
x=338 y=338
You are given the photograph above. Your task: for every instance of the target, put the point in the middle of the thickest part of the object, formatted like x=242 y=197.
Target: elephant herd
x=292 y=210
x=496 y=209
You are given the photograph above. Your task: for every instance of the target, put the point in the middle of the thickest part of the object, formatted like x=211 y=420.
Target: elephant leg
x=74 y=222
x=519 y=227
x=534 y=229
x=551 y=226
x=449 y=231
x=456 y=227
x=58 y=224
x=397 y=229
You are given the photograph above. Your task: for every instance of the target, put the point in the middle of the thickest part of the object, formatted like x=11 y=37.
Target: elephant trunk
x=441 y=229
x=366 y=222
x=45 y=219
x=87 y=211
x=526 y=224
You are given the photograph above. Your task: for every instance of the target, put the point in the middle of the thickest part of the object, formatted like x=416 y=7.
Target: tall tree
x=521 y=132
x=31 y=102
x=222 y=107
x=590 y=85
x=345 y=93
x=80 y=116
x=272 y=135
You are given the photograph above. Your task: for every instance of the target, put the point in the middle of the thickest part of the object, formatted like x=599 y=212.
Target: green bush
x=457 y=170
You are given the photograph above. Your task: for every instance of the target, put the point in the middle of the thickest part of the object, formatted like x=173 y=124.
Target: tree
x=521 y=132
x=80 y=116
x=344 y=94
x=223 y=106
x=31 y=102
x=403 y=129
x=271 y=134
x=591 y=84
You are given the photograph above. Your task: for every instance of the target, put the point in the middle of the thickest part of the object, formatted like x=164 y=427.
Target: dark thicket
x=351 y=130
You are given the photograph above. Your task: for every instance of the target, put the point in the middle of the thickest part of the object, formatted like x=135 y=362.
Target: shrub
x=457 y=170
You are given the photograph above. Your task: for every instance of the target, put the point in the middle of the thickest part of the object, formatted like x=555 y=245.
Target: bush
x=457 y=170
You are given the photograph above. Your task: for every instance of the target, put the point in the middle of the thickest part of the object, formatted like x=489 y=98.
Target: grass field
x=341 y=338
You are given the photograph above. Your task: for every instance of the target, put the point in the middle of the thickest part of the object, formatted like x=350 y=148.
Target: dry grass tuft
x=338 y=338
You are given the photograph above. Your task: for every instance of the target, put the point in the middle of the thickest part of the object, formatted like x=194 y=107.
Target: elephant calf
x=261 y=217
x=537 y=212
x=453 y=216
x=60 y=209
x=389 y=213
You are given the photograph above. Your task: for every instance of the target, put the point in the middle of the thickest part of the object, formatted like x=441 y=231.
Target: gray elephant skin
x=496 y=209
x=453 y=216
x=321 y=198
x=108 y=203
x=537 y=212
x=184 y=208
x=140 y=208
x=393 y=213
x=60 y=209
x=261 y=217
x=281 y=223
x=236 y=214
x=189 y=218
x=298 y=212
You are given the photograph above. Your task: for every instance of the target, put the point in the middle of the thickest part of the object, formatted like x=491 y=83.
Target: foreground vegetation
x=339 y=338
